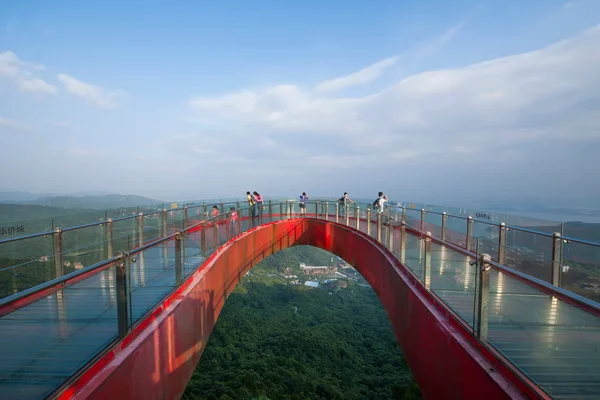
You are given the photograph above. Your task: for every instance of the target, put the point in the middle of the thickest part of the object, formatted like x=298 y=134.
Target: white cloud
x=544 y=96
x=363 y=76
x=11 y=125
x=97 y=95
x=36 y=85
x=9 y=64
x=19 y=71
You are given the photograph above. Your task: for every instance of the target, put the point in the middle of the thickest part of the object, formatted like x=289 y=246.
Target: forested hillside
x=278 y=341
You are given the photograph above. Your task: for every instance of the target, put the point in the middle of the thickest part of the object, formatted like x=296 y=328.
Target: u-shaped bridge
x=135 y=323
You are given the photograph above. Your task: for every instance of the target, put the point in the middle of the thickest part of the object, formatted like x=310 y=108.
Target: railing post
x=357 y=215
x=216 y=232
x=164 y=223
x=122 y=303
x=404 y=214
x=379 y=227
x=391 y=234
x=58 y=258
x=237 y=205
x=185 y=217
x=422 y=226
x=369 y=221
x=270 y=209
x=109 y=237
x=444 y=219
x=326 y=211
x=227 y=226
x=203 y=244
x=402 y=242
x=501 y=242
x=347 y=214
x=140 y=229
x=483 y=297
x=316 y=208
x=337 y=212
x=280 y=210
x=557 y=244
x=426 y=259
x=469 y=232
x=205 y=211
x=222 y=208
x=178 y=259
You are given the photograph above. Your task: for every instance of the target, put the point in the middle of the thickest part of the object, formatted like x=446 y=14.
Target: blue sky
x=439 y=101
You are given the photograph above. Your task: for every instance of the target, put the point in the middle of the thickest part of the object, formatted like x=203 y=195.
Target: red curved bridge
x=135 y=324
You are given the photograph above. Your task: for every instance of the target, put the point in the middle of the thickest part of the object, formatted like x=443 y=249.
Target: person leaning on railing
x=302 y=204
x=259 y=205
x=343 y=201
x=251 y=204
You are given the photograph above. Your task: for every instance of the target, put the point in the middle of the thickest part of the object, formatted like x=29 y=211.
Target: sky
x=437 y=101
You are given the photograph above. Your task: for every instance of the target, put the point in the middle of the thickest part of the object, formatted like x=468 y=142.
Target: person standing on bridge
x=378 y=204
x=259 y=206
x=252 y=204
x=302 y=204
x=215 y=212
x=343 y=202
x=233 y=219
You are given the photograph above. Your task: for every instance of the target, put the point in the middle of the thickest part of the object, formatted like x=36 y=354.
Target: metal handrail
x=100 y=223
x=533 y=281
x=553 y=289
x=122 y=255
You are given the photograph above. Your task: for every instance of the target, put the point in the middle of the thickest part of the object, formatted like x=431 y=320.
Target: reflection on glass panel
x=83 y=247
x=529 y=253
x=413 y=218
x=580 y=269
x=550 y=341
x=456 y=231
x=26 y=263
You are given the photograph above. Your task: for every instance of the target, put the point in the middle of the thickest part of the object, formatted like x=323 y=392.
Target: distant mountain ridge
x=89 y=201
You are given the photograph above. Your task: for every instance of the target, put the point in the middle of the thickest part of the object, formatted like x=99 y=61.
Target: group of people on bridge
x=256 y=203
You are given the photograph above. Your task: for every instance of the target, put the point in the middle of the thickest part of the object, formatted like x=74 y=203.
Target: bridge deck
x=46 y=342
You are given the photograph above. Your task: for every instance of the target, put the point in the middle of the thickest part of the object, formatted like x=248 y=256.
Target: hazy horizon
x=446 y=104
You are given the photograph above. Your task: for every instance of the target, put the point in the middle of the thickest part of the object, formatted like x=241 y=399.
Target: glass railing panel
x=82 y=247
x=456 y=230
x=26 y=263
x=125 y=235
x=453 y=279
x=580 y=269
x=152 y=227
x=411 y=254
x=175 y=220
x=536 y=224
x=433 y=224
x=152 y=275
x=553 y=343
x=485 y=238
x=11 y=227
x=84 y=218
x=413 y=218
x=530 y=253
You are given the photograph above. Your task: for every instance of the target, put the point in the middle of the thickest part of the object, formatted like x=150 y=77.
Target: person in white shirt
x=378 y=204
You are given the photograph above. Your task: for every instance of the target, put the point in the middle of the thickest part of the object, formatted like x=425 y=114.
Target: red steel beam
x=157 y=358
